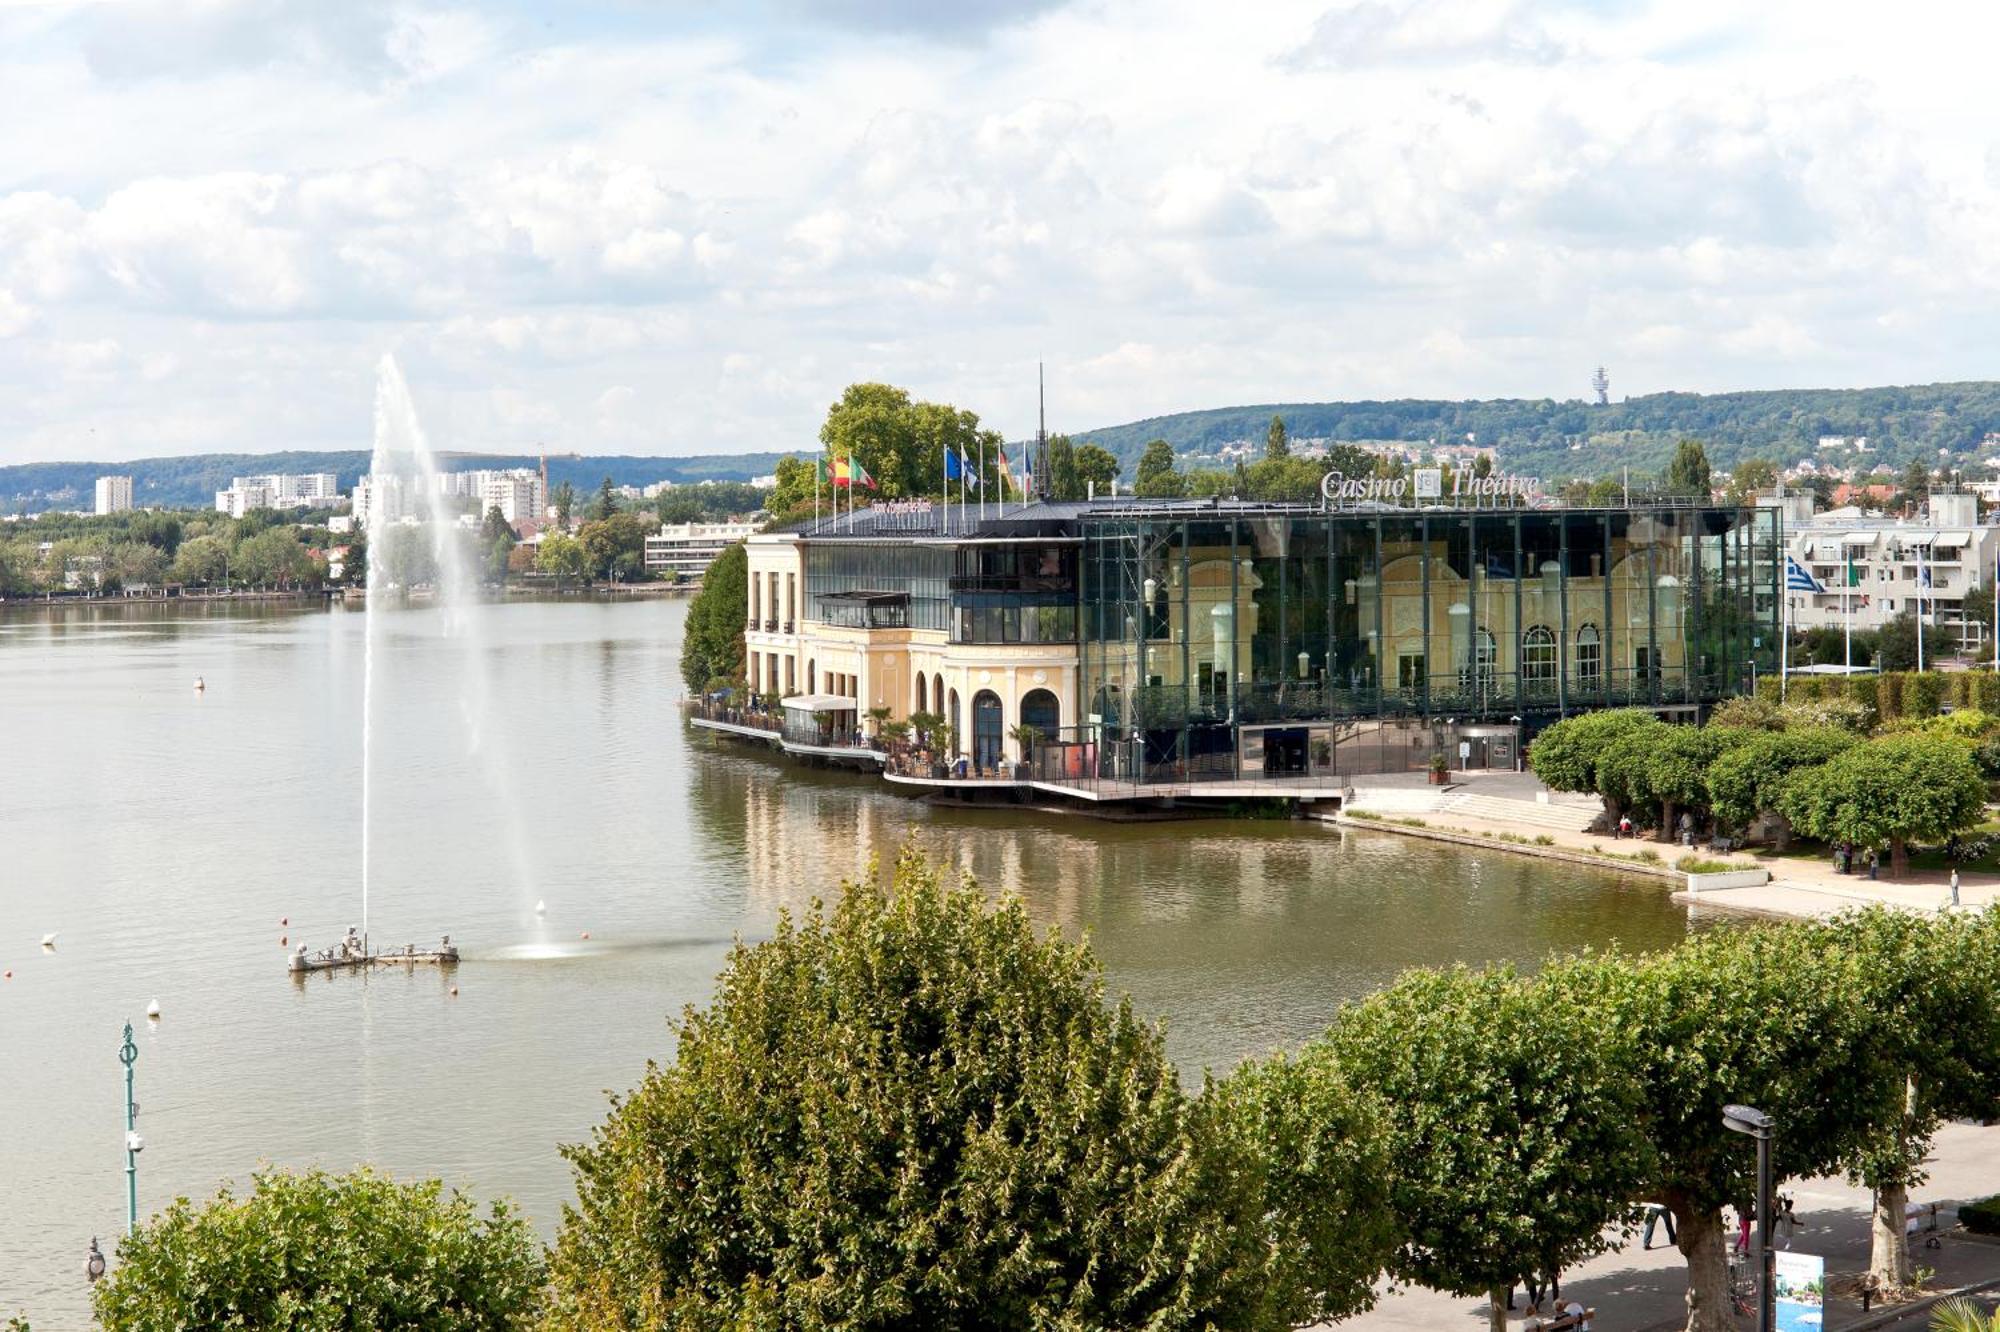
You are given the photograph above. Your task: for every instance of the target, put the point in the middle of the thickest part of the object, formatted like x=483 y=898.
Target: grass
x=1702 y=865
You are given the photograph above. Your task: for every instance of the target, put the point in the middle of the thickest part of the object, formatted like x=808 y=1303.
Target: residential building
x=278 y=490
x=518 y=492
x=685 y=550
x=1873 y=568
x=379 y=499
x=114 y=494
x=1147 y=641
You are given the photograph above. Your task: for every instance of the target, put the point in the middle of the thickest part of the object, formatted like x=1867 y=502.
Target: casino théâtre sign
x=1428 y=483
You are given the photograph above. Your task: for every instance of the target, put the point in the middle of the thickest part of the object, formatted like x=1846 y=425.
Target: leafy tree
x=1896 y=643
x=405 y=556
x=1766 y=1015
x=134 y=564
x=793 y=494
x=1890 y=791
x=1916 y=483
x=1514 y=1139
x=877 y=424
x=1688 y=473
x=604 y=503
x=354 y=570
x=16 y=570
x=1749 y=478
x=320 y=1253
x=202 y=559
x=615 y=547
x=1276 y=446
x=1677 y=765
x=155 y=528
x=911 y=1111
x=712 y=642
x=1095 y=467
x=1064 y=483
x=680 y=505
x=1566 y=755
x=563 y=556
x=564 y=500
x=272 y=556
x=1156 y=478
x=1749 y=779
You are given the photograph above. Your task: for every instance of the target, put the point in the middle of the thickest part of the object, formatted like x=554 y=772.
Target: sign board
x=1801 y=1292
x=1464 y=750
x=1429 y=484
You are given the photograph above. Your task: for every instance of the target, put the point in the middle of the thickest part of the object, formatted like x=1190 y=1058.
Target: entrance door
x=986 y=734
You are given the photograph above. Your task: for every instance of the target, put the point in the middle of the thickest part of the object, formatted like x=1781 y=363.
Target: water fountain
x=404 y=471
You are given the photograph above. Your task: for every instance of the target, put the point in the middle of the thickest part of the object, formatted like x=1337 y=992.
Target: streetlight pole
x=1754 y=1123
x=128 y=1055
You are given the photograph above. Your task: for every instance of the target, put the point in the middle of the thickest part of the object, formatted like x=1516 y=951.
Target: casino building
x=1207 y=646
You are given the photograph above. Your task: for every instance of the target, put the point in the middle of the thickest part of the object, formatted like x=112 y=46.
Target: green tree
x=1890 y=791
x=564 y=500
x=562 y=556
x=615 y=547
x=1688 y=473
x=1896 y=643
x=712 y=641
x=325 y=1253
x=604 y=503
x=1566 y=755
x=1513 y=1139
x=1916 y=483
x=1749 y=780
x=795 y=488
x=1064 y=483
x=679 y=505
x=1156 y=477
x=1676 y=769
x=405 y=556
x=1747 y=479
x=201 y=559
x=1276 y=446
x=1095 y=467
x=910 y=1110
x=1766 y=1015
x=496 y=542
x=273 y=556
x=877 y=424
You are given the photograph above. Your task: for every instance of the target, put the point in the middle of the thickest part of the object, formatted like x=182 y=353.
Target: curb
x=1495 y=844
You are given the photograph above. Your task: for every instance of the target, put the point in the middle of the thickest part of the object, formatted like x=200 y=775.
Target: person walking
x=1655 y=1214
x=1954 y=886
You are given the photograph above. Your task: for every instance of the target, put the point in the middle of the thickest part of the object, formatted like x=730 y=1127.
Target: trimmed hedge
x=1895 y=695
x=1981 y=1217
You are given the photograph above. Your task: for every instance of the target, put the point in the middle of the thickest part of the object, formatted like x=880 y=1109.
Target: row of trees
x=108 y=553
x=914 y=1110
x=1824 y=780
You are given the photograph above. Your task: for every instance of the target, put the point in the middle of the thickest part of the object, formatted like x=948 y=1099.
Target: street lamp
x=1754 y=1123
x=128 y=1055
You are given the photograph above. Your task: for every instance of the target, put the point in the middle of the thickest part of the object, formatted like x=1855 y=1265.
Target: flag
x=1797 y=579
x=1853 y=574
x=861 y=477
x=840 y=472
x=1006 y=473
x=819 y=471
x=970 y=472
x=952 y=465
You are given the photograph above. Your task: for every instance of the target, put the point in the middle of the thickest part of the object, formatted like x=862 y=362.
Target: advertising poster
x=1801 y=1293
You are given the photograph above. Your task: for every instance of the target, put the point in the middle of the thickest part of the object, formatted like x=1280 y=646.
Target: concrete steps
x=1556 y=815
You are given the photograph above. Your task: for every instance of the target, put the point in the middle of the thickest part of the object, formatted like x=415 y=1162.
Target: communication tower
x=1600 y=384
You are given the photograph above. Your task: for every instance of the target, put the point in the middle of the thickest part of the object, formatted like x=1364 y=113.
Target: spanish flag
x=847 y=472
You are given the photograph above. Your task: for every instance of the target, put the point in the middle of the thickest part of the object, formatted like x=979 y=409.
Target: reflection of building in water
x=1168 y=640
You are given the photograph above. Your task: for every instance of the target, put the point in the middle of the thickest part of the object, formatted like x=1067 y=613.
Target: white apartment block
x=114 y=494
x=517 y=492
x=278 y=490
x=379 y=499
x=686 y=549
x=1895 y=565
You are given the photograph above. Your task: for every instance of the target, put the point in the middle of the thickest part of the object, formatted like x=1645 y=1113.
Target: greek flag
x=1797 y=579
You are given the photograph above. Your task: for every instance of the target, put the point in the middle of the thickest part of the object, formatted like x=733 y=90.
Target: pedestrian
x=1624 y=825
x=1687 y=829
x=1744 y=1216
x=1954 y=886
x=1656 y=1213
x=1874 y=863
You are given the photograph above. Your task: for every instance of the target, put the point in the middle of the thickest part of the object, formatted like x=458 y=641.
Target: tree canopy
x=1889 y=791
x=712 y=643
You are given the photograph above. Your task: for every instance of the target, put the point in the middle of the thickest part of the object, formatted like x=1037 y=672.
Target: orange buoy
x=586 y=934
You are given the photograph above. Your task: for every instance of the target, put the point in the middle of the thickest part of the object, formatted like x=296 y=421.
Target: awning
x=1858 y=539
x=1954 y=538
x=820 y=703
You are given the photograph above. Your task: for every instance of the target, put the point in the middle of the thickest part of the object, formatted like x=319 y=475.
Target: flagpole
x=982 y=478
x=1785 y=636
x=816 y=469
x=1847 y=604
x=1920 y=608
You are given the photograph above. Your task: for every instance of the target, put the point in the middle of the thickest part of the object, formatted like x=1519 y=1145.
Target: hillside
x=1536 y=435
x=192 y=481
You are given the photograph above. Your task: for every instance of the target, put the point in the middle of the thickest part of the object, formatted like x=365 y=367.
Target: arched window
x=1589 y=656
x=987 y=730
x=1040 y=710
x=812 y=677
x=923 y=684
x=951 y=720
x=1538 y=657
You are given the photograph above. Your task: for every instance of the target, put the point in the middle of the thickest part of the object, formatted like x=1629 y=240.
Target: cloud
x=951 y=19
x=1427 y=33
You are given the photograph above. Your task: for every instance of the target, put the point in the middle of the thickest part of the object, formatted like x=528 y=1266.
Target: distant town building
x=685 y=550
x=114 y=494
x=278 y=490
x=379 y=499
x=518 y=492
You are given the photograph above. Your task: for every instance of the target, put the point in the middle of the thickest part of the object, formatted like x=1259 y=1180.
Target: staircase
x=1557 y=815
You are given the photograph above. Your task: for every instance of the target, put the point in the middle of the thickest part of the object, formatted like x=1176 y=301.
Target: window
x=1589 y=655
x=1410 y=670
x=1489 y=653
x=1538 y=657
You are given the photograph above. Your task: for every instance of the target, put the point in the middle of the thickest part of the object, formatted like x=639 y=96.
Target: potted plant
x=1440 y=768
x=1025 y=737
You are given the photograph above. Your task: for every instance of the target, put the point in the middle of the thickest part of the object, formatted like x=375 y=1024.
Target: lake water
x=166 y=835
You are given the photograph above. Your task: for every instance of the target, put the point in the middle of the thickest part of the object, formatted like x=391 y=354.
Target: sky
x=682 y=226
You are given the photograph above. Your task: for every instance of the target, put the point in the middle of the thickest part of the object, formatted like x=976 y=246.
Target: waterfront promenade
x=1484 y=808
x=1638 y=1290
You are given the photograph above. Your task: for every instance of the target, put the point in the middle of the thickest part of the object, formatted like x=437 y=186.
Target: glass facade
x=921 y=572
x=1196 y=625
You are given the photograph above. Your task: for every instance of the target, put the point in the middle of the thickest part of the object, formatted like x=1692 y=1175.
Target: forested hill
x=1557 y=440
x=192 y=481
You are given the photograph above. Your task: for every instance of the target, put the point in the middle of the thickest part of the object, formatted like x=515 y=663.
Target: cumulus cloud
x=686 y=227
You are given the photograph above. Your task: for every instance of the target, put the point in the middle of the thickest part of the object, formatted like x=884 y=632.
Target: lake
x=175 y=839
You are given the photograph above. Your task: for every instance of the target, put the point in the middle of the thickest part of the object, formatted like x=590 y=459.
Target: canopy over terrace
x=819 y=719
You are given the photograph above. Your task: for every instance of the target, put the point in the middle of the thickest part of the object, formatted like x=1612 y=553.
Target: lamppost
x=128 y=1055
x=1754 y=1123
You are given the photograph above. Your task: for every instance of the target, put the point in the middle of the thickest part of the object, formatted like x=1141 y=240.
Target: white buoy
x=48 y=941
x=153 y=1010
x=199 y=684
x=541 y=907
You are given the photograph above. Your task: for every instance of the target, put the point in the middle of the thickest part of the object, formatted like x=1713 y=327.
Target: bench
x=1567 y=1322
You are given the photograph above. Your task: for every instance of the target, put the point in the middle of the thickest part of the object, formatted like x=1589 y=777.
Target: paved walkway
x=1798 y=887
x=1637 y=1291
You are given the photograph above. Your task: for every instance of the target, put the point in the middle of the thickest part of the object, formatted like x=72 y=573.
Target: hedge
x=1981 y=1217
x=1897 y=694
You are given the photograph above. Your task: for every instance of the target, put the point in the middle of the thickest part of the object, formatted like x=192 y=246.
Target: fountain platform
x=353 y=954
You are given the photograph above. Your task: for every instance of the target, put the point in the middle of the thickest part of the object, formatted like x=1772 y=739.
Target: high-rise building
x=278 y=491
x=379 y=499
x=114 y=494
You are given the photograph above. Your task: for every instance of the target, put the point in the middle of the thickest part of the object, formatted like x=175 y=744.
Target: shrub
x=1982 y=1216
x=1544 y=839
x=318 y=1252
x=1922 y=694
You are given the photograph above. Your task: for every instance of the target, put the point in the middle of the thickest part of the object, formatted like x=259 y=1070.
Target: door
x=986 y=730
